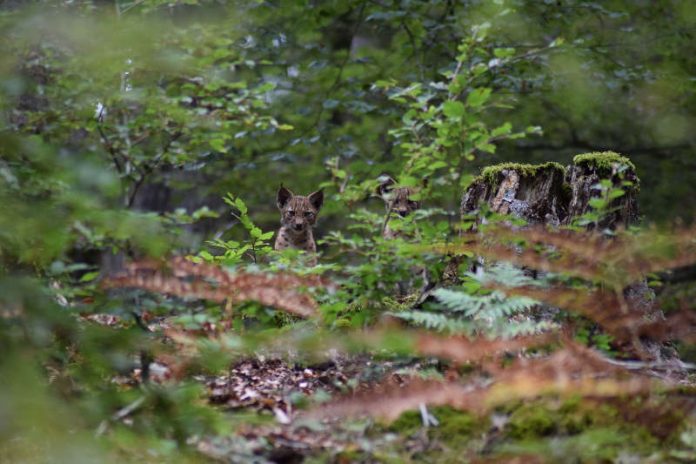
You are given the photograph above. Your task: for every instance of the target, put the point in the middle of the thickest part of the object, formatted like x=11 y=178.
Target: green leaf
x=505 y=129
x=597 y=203
x=437 y=165
x=383 y=84
x=487 y=147
x=557 y=42
x=453 y=109
x=478 y=97
x=204 y=212
x=265 y=87
x=89 y=276
x=241 y=206
x=503 y=52
x=479 y=69
x=218 y=145
x=246 y=222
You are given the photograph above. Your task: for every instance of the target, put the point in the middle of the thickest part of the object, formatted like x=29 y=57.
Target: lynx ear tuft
x=316 y=199
x=284 y=195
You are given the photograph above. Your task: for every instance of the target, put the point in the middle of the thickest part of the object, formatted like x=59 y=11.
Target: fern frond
x=435 y=321
x=458 y=301
x=183 y=278
x=490 y=315
x=573 y=371
x=461 y=350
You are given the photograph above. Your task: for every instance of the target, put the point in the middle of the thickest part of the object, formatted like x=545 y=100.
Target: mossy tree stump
x=589 y=170
x=551 y=194
x=533 y=192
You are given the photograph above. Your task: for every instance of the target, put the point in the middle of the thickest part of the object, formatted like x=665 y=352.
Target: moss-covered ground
x=544 y=430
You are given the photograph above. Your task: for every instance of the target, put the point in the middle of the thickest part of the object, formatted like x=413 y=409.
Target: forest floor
x=266 y=397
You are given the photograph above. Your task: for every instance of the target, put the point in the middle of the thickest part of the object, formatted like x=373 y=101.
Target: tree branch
x=110 y=148
x=149 y=168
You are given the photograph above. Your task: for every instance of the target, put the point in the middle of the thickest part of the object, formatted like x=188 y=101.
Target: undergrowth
x=474 y=337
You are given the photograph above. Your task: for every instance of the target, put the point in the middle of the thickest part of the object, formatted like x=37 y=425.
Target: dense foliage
x=142 y=146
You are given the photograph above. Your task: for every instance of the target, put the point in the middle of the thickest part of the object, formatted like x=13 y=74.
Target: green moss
x=407 y=423
x=602 y=444
x=575 y=430
x=453 y=424
x=457 y=434
x=531 y=421
x=567 y=190
x=576 y=416
x=602 y=161
x=571 y=417
x=570 y=430
x=491 y=174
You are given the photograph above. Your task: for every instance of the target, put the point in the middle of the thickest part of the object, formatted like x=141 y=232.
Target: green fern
x=473 y=312
x=435 y=321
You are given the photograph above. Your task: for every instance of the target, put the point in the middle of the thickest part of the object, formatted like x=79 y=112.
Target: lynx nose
x=402 y=212
x=298 y=226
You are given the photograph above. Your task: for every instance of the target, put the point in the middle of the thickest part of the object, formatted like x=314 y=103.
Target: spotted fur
x=397 y=201
x=298 y=214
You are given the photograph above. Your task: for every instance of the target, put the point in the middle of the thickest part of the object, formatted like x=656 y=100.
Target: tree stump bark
x=589 y=170
x=534 y=193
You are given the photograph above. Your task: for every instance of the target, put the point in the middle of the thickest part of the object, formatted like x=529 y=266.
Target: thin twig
x=149 y=168
x=131 y=6
x=638 y=365
x=386 y=221
x=109 y=147
x=119 y=415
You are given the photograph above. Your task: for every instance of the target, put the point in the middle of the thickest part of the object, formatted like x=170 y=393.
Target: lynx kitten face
x=298 y=214
x=397 y=199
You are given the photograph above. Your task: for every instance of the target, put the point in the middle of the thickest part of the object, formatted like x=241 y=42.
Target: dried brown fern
x=462 y=350
x=182 y=278
x=614 y=313
x=613 y=269
x=617 y=261
x=574 y=370
x=389 y=402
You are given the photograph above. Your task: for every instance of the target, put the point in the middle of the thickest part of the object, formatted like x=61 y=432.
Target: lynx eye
x=308 y=214
x=291 y=212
